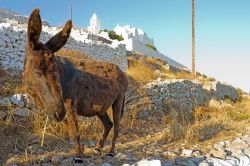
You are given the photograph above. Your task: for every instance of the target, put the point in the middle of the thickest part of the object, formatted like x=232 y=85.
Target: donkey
x=64 y=90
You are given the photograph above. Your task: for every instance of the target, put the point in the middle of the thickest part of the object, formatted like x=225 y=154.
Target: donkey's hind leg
x=107 y=125
x=117 y=110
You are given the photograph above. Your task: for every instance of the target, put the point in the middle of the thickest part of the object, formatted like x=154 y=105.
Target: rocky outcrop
x=187 y=94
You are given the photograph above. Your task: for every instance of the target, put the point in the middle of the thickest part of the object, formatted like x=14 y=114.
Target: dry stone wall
x=13 y=43
x=187 y=94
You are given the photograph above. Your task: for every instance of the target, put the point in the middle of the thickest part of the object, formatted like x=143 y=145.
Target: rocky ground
x=149 y=149
x=168 y=121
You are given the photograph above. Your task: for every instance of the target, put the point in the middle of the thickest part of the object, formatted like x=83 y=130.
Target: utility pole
x=71 y=11
x=193 y=39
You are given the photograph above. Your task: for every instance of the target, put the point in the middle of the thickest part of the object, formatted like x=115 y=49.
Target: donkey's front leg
x=73 y=128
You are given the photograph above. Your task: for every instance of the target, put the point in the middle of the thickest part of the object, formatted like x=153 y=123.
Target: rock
x=218 y=153
x=186 y=152
x=219 y=162
x=57 y=159
x=21 y=112
x=106 y=164
x=17 y=99
x=232 y=160
x=204 y=163
x=5 y=102
x=182 y=161
x=197 y=160
x=67 y=161
x=148 y=162
x=121 y=156
x=244 y=160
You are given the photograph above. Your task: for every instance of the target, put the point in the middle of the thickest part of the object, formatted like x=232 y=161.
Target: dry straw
x=44 y=130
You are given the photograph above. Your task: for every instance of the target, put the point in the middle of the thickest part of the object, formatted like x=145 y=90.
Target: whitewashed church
x=94 y=27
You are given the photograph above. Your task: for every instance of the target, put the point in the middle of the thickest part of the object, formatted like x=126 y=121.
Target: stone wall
x=187 y=94
x=13 y=43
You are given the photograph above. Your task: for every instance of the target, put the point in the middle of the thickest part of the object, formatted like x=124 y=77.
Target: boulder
x=17 y=99
x=21 y=112
x=5 y=102
x=148 y=162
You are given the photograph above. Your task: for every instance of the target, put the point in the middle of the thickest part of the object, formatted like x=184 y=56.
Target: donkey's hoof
x=110 y=155
x=98 y=150
x=78 y=160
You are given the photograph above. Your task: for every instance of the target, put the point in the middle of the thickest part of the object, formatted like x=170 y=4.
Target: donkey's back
x=93 y=85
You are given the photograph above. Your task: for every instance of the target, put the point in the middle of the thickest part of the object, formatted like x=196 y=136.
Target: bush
x=151 y=46
x=113 y=36
x=103 y=30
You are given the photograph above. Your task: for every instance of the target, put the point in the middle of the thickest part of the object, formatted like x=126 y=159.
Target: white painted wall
x=128 y=32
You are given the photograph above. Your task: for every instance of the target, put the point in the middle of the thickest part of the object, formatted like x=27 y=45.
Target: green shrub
x=113 y=36
x=104 y=30
x=151 y=46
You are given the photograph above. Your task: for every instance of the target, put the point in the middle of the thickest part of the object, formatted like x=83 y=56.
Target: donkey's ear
x=34 y=28
x=58 y=41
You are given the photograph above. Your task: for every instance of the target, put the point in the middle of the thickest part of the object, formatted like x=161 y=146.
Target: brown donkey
x=62 y=89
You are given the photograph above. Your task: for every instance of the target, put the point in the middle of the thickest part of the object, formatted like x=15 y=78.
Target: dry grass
x=205 y=122
x=141 y=72
x=203 y=125
x=8 y=83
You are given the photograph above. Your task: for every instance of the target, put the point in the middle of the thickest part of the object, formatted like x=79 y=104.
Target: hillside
x=163 y=132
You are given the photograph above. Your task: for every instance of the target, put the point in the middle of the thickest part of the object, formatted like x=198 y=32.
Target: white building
x=129 y=32
x=137 y=40
x=95 y=24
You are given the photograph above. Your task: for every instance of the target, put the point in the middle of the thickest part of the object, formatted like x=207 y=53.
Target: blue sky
x=222 y=28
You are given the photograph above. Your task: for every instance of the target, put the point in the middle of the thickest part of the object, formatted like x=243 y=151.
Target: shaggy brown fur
x=60 y=88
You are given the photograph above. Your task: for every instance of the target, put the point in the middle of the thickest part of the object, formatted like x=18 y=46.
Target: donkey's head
x=42 y=71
